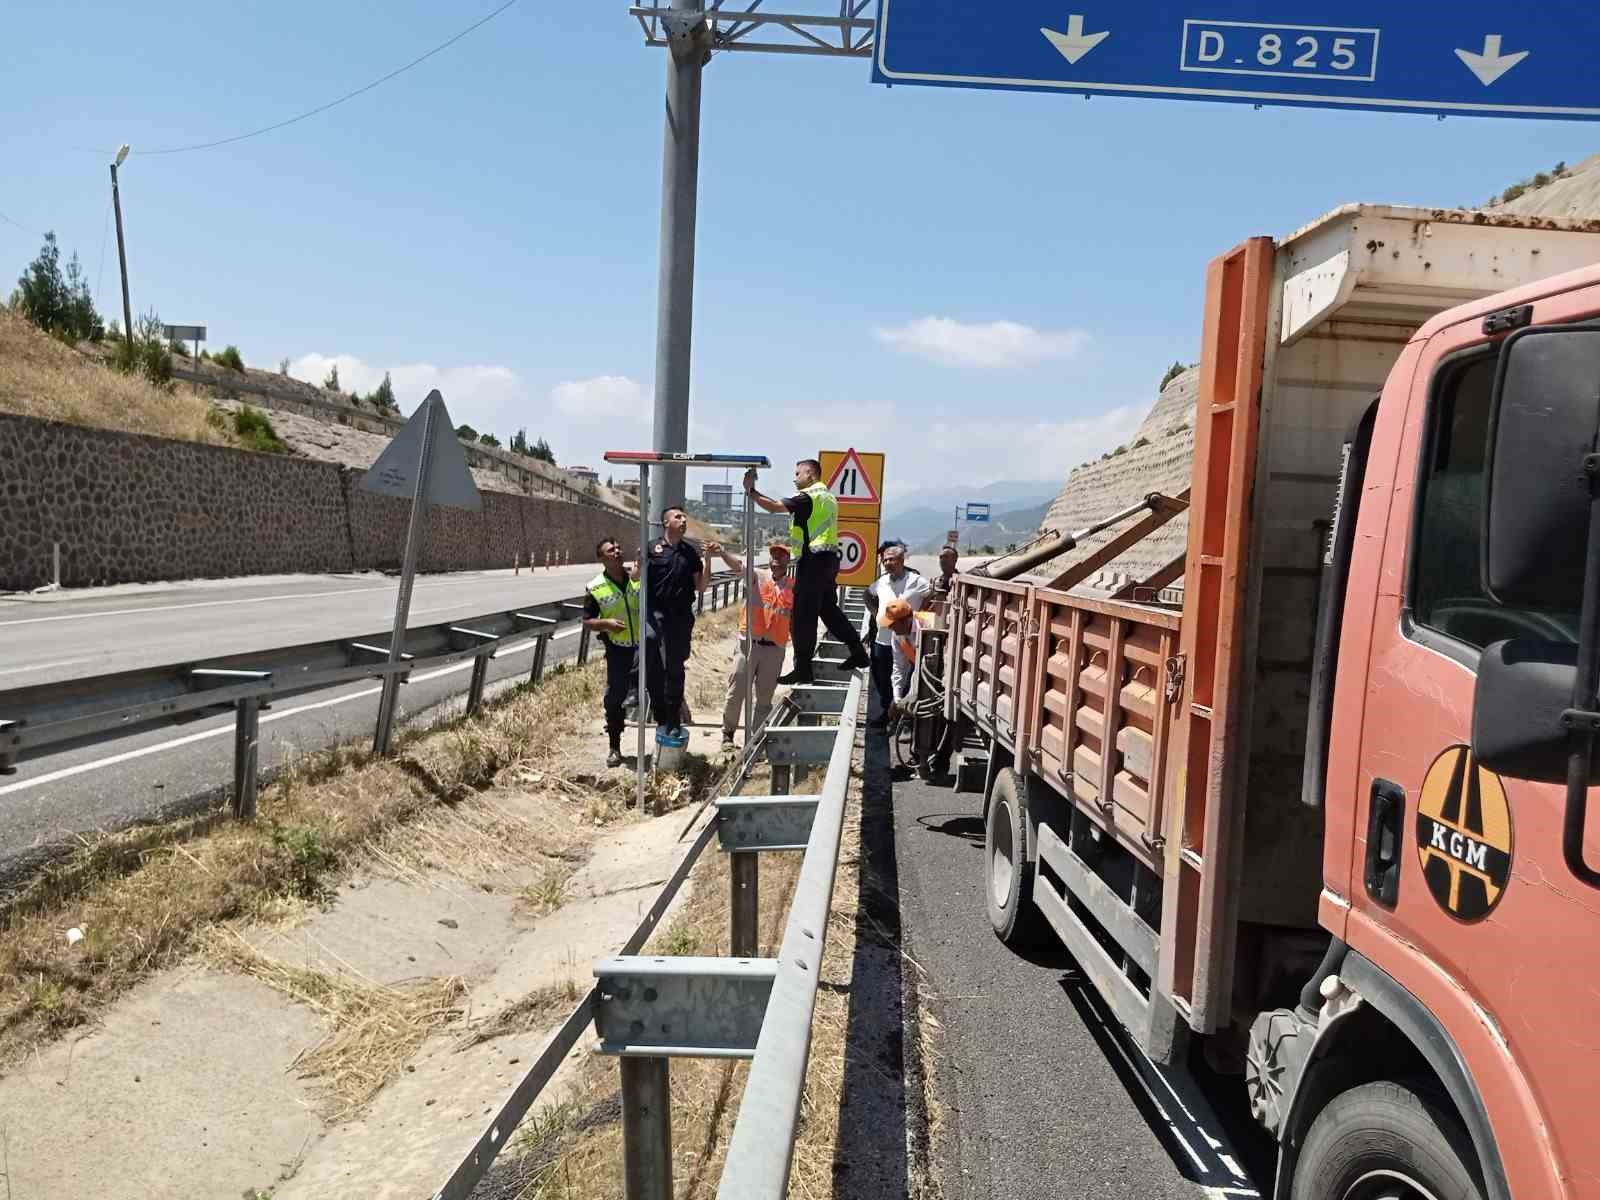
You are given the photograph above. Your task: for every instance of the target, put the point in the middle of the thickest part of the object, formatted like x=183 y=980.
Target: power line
x=19 y=225
x=335 y=103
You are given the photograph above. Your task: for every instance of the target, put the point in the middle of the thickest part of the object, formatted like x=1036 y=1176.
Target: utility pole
x=122 y=253
x=689 y=39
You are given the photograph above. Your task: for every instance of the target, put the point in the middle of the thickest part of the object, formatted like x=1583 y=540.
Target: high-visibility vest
x=617 y=605
x=774 y=608
x=821 y=530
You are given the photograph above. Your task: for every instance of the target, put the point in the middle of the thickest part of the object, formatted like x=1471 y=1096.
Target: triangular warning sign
x=852 y=482
x=448 y=480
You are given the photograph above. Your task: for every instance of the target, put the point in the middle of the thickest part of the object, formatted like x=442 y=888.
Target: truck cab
x=1313 y=814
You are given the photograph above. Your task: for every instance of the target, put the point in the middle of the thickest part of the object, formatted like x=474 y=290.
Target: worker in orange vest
x=774 y=609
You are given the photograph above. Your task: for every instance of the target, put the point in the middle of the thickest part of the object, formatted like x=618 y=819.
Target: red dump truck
x=1327 y=811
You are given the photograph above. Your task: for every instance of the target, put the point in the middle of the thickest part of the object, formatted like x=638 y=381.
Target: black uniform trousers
x=622 y=669
x=816 y=595
x=667 y=643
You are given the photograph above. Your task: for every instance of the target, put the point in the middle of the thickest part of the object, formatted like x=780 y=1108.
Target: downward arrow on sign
x=1075 y=43
x=1491 y=64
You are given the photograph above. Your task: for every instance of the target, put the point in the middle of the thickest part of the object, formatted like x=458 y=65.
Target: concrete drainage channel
x=649 y=1010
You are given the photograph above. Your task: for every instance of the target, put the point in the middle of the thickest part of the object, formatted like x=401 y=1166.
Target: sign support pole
x=749 y=625
x=408 y=572
x=644 y=629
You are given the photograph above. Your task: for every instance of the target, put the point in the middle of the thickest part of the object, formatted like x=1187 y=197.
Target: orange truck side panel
x=1204 y=826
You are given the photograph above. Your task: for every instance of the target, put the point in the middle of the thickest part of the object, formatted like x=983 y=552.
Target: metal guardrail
x=44 y=717
x=648 y=1010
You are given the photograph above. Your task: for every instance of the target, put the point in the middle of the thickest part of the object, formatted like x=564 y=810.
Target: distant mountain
x=925 y=517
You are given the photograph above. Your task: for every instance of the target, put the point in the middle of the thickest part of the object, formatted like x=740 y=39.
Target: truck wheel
x=1008 y=875
x=1387 y=1141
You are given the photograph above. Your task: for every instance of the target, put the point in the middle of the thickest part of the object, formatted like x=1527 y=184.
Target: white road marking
x=60 y=662
x=227 y=728
x=133 y=612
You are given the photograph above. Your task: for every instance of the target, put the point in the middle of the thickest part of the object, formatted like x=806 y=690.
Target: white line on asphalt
x=220 y=730
x=133 y=612
x=60 y=662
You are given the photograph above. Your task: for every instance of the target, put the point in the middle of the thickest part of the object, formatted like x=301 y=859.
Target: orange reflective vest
x=774 y=607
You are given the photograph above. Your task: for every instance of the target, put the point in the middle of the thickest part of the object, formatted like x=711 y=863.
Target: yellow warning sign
x=855 y=477
x=858 y=552
x=1464 y=835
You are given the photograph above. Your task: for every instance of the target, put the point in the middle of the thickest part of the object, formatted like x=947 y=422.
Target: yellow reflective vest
x=617 y=605
x=821 y=531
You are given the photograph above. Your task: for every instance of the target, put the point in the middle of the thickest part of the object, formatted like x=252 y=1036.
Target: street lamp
x=122 y=253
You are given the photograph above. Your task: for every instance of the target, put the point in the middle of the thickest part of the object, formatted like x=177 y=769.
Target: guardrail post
x=744 y=871
x=539 y=649
x=583 y=645
x=246 y=738
x=781 y=785
x=646 y=1129
x=480 y=673
x=700 y=603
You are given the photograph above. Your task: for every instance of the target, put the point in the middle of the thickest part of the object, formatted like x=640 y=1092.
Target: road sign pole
x=644 y=628
x=408 y=571
x=680 y=184
x=749 y=624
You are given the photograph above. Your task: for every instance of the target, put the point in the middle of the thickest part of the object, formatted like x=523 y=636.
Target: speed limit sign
x=858 y=542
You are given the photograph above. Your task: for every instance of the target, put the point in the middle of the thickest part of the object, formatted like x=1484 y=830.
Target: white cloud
x=857 y=424
x=604 y=396
x=993 y=344
x=969 y=451
x=475 y=388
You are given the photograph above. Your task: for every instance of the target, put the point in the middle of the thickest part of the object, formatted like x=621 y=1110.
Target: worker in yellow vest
x=764 y=646
x=814 y=541
x=611 y=609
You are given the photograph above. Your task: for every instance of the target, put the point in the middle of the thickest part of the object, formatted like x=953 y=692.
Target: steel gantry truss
x=838 y=29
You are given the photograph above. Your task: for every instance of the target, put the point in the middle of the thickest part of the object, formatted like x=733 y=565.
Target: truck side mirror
x=1541 y=550
x=1541 y=435
x=1524 y=687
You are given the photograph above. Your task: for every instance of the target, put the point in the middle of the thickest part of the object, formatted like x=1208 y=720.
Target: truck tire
x=1007 y=874
x=1387 y=1141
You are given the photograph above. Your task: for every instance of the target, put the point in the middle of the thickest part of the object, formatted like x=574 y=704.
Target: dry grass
x=143 y=898
x=41 y=377
x=573 y=1150
x=374 y=1030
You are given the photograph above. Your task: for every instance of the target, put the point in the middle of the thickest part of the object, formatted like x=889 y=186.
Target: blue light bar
x=675 y=459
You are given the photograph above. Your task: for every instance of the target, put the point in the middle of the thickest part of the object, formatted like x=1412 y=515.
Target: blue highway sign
x=1467 y=59
x=977 y=514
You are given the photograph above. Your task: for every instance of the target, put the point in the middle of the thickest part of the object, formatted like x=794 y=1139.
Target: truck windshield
x=1446 y=587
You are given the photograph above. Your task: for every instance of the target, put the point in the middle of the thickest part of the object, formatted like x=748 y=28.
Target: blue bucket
x=670 y=750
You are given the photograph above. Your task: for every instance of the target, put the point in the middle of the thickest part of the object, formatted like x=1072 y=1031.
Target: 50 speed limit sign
x=858 y=543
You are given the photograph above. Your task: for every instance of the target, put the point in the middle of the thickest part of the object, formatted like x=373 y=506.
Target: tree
x=519 y=442
x=57 y=302
x=541 y=450
x=148 y=355
x=283 y=367
x=488 y=439
x=383 y=395
x=1173 y=372
x=466 y=433
x=332 y=381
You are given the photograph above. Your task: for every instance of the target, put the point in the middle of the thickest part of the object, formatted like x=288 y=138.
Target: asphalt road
x=1044 y=1094
x=179 y=768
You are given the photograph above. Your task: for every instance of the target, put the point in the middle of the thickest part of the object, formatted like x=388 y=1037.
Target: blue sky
x=985 y=285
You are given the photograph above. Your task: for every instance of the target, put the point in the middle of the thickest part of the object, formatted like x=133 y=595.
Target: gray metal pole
x=646 y=1129
x=749 y=626
x=680 y=187
x=644 y=631
x=122 y=258
x=744 y=873
x=246 y=740
x=402 y=603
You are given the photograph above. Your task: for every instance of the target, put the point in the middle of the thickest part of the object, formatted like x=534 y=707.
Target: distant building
x=631 y=486
x=718 y=497
x=587 y=474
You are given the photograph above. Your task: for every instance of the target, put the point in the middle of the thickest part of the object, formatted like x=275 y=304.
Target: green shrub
x=147 y=354
x=228 y=357
x=256 y=432
x=306 y=859
x=382 y=396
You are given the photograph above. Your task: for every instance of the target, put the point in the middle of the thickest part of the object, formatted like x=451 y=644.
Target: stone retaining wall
x=127 y=508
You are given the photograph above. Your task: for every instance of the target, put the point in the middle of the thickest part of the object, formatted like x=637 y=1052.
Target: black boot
x=798 y=675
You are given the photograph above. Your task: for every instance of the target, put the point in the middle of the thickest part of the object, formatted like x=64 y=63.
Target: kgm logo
x=1464 y=835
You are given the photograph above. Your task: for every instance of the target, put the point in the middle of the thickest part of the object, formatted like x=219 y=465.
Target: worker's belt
x=765 y=642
